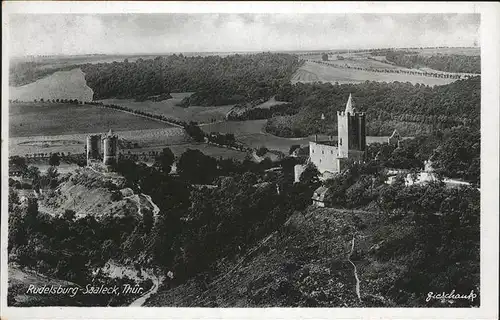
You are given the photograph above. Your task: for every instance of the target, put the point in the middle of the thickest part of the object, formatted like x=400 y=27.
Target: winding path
x=355 y=271
x=156 y=210
x=154 y=288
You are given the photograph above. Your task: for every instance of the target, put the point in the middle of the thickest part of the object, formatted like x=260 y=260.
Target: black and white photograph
x=297 y=160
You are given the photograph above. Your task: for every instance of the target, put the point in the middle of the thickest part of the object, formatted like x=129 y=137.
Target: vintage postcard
x=249 y=160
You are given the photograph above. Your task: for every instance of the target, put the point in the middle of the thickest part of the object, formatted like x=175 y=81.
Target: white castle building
x=331 y=156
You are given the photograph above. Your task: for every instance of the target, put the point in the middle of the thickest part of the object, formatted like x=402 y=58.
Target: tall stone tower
x=110 y=148
x=93 y=148
x=351 y=132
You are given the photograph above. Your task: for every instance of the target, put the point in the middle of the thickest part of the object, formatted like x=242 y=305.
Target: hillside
x=304 y=264
x=411 y=109
x=65 y=83
x=315 y=260
x=20 y=281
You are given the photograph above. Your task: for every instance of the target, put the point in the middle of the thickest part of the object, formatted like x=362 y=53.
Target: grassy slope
x=304 y=264
x=59 y=85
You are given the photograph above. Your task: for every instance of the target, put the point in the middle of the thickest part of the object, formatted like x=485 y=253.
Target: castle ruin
x=102 y=150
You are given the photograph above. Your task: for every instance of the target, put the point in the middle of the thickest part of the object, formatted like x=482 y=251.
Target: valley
x=203 y=211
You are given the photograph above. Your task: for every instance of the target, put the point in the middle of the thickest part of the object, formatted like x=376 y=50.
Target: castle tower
x=110 y=148
x=351 y=132
x=93 y=148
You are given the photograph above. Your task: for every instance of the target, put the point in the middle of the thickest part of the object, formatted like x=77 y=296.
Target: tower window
x=340 y=141
x=323 y=152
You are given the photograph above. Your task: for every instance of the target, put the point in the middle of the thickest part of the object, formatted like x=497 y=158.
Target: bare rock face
x=89 y=192
x=126 y=192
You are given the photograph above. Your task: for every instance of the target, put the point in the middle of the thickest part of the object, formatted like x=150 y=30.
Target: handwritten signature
x=451 y=296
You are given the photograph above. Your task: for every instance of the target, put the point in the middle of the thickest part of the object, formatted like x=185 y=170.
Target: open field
x=311 y=72
x=238 y=128
x=168 y=108
x=75 y=143
x=460 y=51
x=364 y=62
x=48 y=119
x=365 y=59
x=59 y=85
x=358 y=60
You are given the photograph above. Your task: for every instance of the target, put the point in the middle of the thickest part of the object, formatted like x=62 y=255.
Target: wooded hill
x=412 y=109
x=216 y=80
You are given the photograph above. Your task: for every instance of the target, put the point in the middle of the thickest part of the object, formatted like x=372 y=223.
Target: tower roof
x=349 y=107
x=110 y=133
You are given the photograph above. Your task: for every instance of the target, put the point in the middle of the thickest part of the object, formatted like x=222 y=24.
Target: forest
x=411 y=109
x=455 y=153
x=449 y=63
x=215 y=80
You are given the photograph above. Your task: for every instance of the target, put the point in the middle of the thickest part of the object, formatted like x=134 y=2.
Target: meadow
x=48 y=119
x=363 y=62
x=59 y=85
x=75 y=143
x=170 y=109
x=312 y=72
x=473 y=51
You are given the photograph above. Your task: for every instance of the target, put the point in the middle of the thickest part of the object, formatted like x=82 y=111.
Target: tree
x=166 y=159
x=55 y=159
x=310 y=176
x=13 y=198
x=324 y=57
x=69 y=215
x=194 y=131
x=19 y=163
x=261 y=151
x=293 y=147
x=33 y=173
x=196 y=167
x=52 y=176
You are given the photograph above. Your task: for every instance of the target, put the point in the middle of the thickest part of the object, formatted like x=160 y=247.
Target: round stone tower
x=93 y=147
x=110 y=148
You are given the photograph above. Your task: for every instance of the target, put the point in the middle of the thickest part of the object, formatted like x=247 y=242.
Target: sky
x=72 y=34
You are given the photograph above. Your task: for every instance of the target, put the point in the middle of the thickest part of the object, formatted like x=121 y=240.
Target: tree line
x=449 y=63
